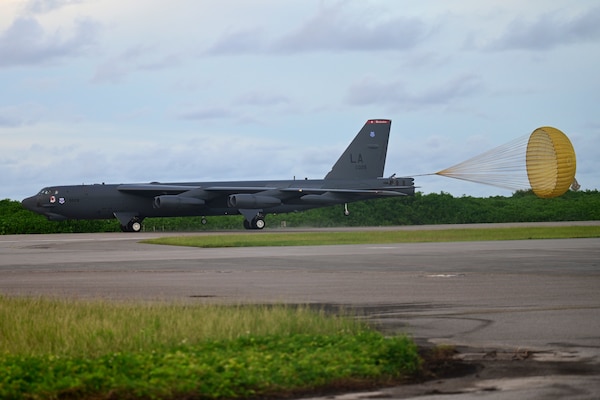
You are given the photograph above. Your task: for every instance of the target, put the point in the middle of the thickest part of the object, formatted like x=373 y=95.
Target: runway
x=540 y=296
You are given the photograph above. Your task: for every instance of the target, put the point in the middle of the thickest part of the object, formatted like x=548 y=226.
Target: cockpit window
x=47 y=191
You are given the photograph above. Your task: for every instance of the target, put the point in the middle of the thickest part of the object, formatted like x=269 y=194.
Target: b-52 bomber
x=357 y=175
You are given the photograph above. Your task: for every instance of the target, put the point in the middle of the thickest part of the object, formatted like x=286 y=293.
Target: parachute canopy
x=543 y=161
x=550 y=162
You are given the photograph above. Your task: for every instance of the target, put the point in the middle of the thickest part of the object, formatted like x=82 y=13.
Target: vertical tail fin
x=365 y=156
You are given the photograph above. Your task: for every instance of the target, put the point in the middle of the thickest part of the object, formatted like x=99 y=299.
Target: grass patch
x=378 y=237
x=105 y=350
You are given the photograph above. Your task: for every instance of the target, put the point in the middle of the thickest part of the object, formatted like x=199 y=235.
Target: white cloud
x=26 y=42
x=400 y=93
x=238 y=42
x=335 y=27
x=136 y=58
x=331 y=28
x=203 y=113
x=20 y=114
x=548 y=30
x=46 y=6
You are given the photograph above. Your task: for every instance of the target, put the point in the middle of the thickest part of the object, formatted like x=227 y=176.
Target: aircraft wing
x=155 y=189
x=239 y=189
x=356 y=192
x=289 y=194
x=265 y=197
x=152 y=189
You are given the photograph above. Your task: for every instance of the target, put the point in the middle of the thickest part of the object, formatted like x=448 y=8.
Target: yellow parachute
x=550 y=162
x=543 y=161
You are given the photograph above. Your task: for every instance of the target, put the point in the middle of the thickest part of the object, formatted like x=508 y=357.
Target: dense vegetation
x=421 y=209
x=67 y=349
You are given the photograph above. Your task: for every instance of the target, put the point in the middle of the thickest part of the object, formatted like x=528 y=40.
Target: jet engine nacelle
x=169 y=201
x=252 y=201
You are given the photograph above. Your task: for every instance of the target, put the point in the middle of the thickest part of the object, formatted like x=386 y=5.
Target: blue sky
x=145 y=90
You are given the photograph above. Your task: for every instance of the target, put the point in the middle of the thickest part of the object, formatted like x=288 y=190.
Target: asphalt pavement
x=525 y=313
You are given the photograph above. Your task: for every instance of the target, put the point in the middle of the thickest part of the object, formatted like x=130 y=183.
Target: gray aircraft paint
x=357 y=175
x=365 y=156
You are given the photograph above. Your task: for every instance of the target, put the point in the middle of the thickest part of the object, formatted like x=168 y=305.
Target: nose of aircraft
x=30 y=203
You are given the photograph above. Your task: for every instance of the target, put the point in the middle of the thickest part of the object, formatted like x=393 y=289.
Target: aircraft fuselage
x=105 y=201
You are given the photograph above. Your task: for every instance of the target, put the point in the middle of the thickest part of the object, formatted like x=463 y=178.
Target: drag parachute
x=550 y=162
x=543 y=161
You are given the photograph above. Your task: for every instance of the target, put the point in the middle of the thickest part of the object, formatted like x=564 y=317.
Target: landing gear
x=134 y=225
x=346 y=211
x=258 y=222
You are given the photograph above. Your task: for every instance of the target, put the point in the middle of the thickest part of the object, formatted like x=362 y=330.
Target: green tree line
x=421 y=209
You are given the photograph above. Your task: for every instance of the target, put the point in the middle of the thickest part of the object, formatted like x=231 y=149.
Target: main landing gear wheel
x=135 y=225
x=257 y=222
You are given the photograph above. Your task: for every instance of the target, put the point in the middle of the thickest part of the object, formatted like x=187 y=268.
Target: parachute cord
x=503 y=166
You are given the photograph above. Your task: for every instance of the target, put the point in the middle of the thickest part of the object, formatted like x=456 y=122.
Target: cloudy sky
x=146 y=90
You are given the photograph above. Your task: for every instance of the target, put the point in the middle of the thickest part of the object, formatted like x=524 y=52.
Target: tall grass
x=32 y=326
x=53 y=349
